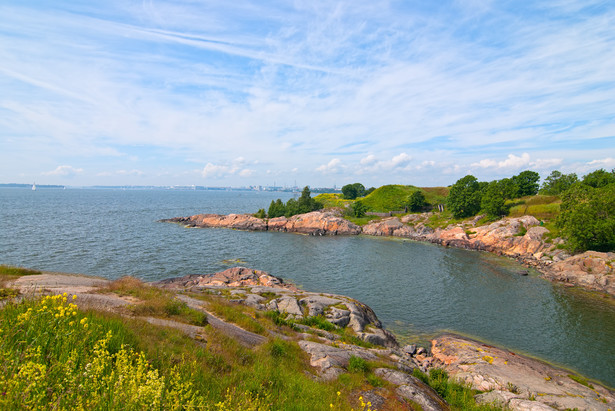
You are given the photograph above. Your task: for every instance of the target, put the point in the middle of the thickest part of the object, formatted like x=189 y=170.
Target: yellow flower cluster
x=48 y=357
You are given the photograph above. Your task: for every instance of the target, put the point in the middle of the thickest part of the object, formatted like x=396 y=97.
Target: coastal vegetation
x=581 y=211
x=9 y=273
x=304 y=204
x=56 y=355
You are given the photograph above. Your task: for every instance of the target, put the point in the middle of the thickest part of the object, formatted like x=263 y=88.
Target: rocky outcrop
x=515 y=381
x=592 y=270
x=269 y=293
x=235 y=221
x=314 y=223
x=233 y=277
x=520 y=238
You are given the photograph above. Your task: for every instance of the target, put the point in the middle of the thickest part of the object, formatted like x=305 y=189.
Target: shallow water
x=416 y=289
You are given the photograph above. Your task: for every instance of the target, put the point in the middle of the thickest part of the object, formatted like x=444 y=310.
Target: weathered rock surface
x=314 y=223
x=413 y=389
x=592 y=270
x=520 y=383
x=257 y=288
x=233 y=277
x=236 y=221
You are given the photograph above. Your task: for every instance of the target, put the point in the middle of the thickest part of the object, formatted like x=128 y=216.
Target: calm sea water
x=416 y=289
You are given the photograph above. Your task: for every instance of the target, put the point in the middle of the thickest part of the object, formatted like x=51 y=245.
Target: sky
x=319 y=93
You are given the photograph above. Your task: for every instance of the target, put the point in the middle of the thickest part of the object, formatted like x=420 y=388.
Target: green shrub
x=358 y=364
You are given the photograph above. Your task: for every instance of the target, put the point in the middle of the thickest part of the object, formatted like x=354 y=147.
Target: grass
x=388 y=198
x=16 y=271
x=102 y=361
x=435 y=195
x=581 y=380
x=9 y=273
x=236 y=315
x=459 y=396
x=154 y=301
x=332 y=200
x=540 y=206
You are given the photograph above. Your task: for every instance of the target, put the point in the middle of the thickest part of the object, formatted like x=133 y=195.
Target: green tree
x=556 y=183
x=358 y=209
x=464 y=197
x=493 y=198
x=416 y=201
x=527 y=181
x=599 y=178
x=292 y=208
x=587 y=217
x=352 y=191
x=509 y=188
x=276 y=209
x=306 y=203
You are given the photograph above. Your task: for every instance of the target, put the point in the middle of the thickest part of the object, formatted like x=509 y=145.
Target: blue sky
x=315 y=92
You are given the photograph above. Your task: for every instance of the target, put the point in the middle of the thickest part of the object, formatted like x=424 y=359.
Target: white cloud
x=64 y=171
x=370 y=159
x=400 y=160
x=222 y=170
x=514 y=162
x=608 y=162
x=332 y=166
x=546 y=163
x=212 y=170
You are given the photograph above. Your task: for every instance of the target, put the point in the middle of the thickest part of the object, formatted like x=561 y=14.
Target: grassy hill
x=386 y=198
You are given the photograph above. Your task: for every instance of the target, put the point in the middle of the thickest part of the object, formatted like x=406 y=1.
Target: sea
x=418 y=290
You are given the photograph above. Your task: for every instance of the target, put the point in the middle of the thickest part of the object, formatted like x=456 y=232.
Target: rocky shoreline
x=507 y=380
x=521 y=238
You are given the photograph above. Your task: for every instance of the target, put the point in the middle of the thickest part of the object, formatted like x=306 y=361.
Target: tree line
x=587 y=211
x=304 y=204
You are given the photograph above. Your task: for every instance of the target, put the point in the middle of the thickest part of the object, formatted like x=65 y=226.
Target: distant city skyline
x=309 y=93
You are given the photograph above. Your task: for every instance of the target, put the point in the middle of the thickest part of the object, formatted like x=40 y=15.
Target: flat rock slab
x=58 y=283
x=246 y=338
x=485 y=367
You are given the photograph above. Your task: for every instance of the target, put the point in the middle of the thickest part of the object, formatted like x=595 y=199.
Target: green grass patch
x=459 y=396
x=237 y=314
x=332 y=200
x=155 y=302
x=16 y=271
x=9 y=273
x=436 y=195
x=581 y=380
x=388 y=198
x=361 y=221
x=540 y=206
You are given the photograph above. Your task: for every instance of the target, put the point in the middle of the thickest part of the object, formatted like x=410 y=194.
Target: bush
x=587 y=218
x=358 y=364
x=416 y=201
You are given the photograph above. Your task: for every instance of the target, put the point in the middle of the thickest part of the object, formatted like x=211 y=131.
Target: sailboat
x=33 y=186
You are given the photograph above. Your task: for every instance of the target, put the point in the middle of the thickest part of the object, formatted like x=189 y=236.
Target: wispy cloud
x=64 y=171
x=386 y=86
